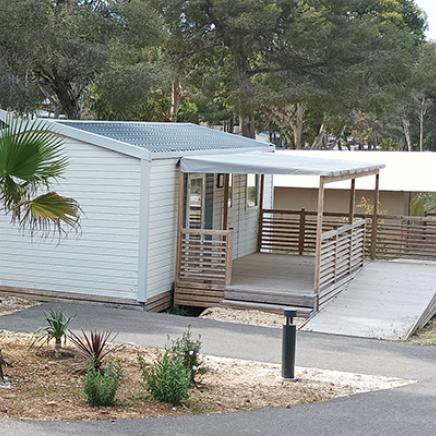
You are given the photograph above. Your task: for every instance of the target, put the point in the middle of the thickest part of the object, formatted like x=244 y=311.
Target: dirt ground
x=426 y=336
x=250 y=317
x=9 y=304
x=45 y=388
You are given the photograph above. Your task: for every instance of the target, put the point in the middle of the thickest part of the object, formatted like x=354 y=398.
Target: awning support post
x=352 y=201
x=226 y=202
x=319 y=223
x=375 y=214
x=260 y=219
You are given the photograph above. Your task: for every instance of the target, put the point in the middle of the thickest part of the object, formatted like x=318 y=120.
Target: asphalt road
x=410 y=410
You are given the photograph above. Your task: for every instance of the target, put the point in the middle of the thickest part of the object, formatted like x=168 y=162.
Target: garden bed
x=46 y=388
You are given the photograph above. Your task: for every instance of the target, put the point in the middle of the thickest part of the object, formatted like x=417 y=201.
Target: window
x=252 y=190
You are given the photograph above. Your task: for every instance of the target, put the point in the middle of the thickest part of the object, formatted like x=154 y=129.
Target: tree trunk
x=176 y=98
x=68 y=99
x=406 y=130
x=246 y=116
x=421 y=129
x=298 y=126
x=247 y=126
x=317 y=143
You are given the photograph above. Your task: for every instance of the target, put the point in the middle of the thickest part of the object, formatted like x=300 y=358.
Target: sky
x=429 y=6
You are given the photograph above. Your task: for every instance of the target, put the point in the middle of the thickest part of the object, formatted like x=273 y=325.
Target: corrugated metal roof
x=165 y=137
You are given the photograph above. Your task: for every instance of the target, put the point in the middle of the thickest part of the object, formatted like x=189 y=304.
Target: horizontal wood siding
x=103 y=259
x=163 y=226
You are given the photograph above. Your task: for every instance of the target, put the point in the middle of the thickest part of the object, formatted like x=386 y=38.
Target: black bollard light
x=288 y=346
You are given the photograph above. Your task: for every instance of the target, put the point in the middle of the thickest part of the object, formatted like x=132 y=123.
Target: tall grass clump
x=167 y=380
x=101 y=386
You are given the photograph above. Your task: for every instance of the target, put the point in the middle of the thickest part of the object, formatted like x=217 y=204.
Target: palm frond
x=48 y=209
x=31 y=159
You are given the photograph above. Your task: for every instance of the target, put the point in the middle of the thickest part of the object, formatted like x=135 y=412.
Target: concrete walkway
x=386 y=300
x=404 y=411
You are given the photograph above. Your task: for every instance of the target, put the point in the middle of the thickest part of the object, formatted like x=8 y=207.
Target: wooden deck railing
x=205 y=256
x=293 y=231
x=342 y=256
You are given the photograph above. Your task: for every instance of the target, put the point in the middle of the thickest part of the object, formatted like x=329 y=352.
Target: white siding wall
x=103 y=260
x=163 y=226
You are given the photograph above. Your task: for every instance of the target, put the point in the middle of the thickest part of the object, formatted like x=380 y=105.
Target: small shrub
x=189 y=349
x=94 y=347
x=168 y=380
x=57 y=328
x=101 y=385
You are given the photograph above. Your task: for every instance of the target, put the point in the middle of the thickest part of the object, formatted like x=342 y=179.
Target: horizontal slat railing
x=294 y=231
x=342 y=256
x=205 y=256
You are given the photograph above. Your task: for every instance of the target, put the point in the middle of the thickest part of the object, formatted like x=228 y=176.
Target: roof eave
x=99 y=140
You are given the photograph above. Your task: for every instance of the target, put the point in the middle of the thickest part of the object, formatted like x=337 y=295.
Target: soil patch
x=245 y=316
x=427 y=335
x=45 y=388
x=10 y=304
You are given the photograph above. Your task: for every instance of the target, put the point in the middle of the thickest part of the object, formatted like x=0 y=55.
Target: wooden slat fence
x=406 y=236
x=342 y=256
x=205 y=256
x=293 y=232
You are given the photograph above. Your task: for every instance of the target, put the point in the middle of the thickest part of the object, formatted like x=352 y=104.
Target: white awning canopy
x=276 y=163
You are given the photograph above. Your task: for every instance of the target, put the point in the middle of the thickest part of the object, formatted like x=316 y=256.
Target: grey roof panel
x=165 y=137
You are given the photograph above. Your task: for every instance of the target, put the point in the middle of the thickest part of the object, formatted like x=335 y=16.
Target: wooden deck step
x=303 y=312
x=307 y=300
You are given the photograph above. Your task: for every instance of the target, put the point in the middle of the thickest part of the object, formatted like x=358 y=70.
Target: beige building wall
x=337 y=200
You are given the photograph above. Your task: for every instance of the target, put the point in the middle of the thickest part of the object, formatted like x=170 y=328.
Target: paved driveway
x=410 y=410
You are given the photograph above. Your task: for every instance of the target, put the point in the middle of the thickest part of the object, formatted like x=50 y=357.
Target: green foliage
x=100 y=387
x=56 y=50
x=57 y=328
x=189 y=349
x=31 y=159
x=94 y=346
x=423 y=203
x=167 y=380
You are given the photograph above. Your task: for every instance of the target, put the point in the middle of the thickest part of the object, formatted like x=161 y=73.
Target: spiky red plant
x=95 y=346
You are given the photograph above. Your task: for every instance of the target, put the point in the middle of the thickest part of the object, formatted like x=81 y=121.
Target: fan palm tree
x=31 y=160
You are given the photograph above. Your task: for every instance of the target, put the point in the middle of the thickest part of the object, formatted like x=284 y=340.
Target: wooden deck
x=387 y=300
x=271 y=281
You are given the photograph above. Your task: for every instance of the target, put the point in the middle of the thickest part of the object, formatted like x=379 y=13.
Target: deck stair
x=303 y=312
x=273 y=301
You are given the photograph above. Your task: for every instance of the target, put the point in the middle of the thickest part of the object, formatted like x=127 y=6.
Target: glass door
x=195 y=200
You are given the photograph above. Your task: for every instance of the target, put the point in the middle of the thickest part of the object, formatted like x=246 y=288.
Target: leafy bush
x=168 y=380
x=94 y=346
x=189 y=349
x=101 y=385
x=57 y=328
